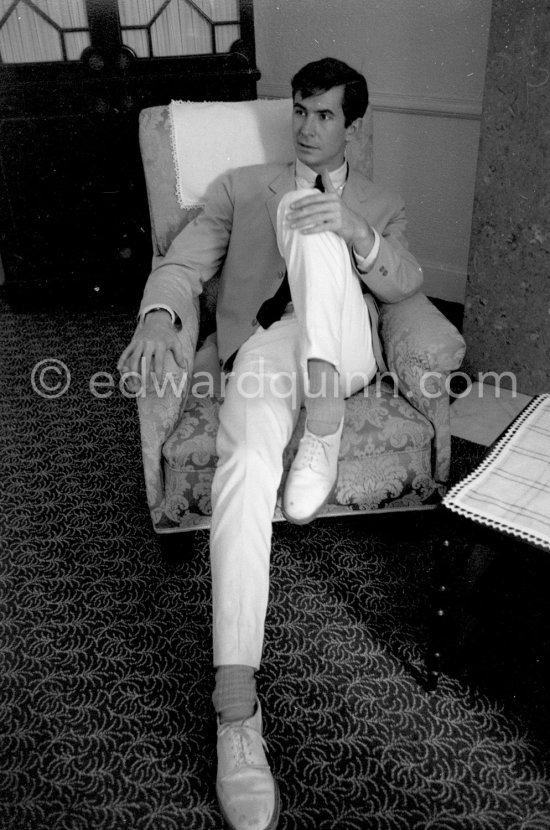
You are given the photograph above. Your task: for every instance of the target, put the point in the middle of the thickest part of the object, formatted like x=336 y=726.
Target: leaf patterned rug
x=106 y=719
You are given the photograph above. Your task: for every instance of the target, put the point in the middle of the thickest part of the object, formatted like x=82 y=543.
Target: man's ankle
x=234 y=696
x=325 y=403
x=322 y=428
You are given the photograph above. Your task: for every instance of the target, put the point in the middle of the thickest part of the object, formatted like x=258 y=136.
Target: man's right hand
x=146 y=353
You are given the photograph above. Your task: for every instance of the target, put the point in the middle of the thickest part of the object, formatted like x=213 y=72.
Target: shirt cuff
x=365 y=262
x=158 y=307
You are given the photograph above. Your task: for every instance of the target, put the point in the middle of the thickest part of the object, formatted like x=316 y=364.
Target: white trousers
x=262 y=401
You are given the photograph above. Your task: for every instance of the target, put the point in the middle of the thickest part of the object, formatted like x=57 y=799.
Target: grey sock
x=234 y=696
x=325 y=404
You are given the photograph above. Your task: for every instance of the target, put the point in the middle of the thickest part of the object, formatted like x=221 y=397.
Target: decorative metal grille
x=42 y=30
x=162 y=28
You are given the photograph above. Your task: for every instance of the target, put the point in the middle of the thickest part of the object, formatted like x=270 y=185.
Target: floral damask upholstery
x=395 y=450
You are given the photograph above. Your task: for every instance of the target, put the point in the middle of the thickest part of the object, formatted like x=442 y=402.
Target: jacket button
x=280 y=274
x=254 y=322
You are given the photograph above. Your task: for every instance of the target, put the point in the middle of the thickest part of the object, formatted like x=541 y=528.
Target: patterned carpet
x=105 y=655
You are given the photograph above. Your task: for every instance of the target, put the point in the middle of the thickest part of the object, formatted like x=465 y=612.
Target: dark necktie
x=273 y=309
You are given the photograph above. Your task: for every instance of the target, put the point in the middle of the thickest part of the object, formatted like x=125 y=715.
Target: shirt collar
x=305 y=176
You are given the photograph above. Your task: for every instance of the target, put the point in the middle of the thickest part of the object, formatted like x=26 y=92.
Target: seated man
x=304 y=249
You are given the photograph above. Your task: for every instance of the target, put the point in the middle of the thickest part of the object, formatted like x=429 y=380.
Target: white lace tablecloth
x=510 y=490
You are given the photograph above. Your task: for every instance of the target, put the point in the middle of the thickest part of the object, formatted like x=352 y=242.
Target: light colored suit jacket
x=236 y=235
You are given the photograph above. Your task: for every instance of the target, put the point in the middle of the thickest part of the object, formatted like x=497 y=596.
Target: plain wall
x=425 y=64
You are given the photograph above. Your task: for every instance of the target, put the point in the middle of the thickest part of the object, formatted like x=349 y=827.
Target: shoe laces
x=312 y=453
x=242 y=737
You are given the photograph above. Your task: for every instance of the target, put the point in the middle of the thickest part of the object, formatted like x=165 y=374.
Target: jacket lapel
x=281 y=184
x=355 y=194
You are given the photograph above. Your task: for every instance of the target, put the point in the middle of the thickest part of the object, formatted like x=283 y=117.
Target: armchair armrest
x=160 y=409
x=422 y=348
x=415 y=333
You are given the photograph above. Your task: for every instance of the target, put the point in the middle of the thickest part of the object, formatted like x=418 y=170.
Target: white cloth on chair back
x=211 y=137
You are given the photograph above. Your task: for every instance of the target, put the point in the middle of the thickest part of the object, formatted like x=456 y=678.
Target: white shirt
x=305 y=176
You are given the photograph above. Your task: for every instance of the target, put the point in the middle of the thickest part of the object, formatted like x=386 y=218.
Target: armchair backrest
x=264 y=137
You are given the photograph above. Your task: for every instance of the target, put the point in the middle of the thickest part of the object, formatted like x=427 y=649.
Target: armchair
x=395 y=450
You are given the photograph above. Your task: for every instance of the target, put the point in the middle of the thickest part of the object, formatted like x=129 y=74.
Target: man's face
x=319 y=130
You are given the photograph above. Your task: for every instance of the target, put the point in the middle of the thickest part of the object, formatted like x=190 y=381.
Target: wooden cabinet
x=73 y=208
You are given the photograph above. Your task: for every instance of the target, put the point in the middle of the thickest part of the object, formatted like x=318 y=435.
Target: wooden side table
x=504 y=500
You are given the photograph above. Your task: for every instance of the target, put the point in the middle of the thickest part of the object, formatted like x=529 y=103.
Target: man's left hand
x=327 y=212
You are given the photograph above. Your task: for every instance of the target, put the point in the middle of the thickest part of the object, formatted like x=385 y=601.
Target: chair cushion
x=385 y=458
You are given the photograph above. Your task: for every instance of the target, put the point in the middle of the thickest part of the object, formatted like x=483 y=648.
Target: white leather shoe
x=312 y=476
x=247 y=792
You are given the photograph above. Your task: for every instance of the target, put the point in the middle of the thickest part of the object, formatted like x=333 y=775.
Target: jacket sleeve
x=196 y=254
x=395 y=274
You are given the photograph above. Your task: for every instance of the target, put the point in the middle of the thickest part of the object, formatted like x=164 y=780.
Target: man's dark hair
x=320 y=76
